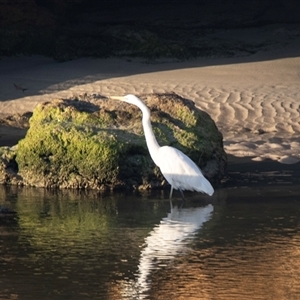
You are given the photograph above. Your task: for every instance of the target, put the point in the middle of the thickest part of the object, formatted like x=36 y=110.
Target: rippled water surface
x=242 y=243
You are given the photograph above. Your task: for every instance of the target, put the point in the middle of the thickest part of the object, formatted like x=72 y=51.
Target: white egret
x=177 y=168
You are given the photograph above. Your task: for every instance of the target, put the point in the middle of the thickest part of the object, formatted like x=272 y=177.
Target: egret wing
x=181 y=172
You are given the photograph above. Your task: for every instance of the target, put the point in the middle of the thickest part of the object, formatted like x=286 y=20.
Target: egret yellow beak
x=121 y=98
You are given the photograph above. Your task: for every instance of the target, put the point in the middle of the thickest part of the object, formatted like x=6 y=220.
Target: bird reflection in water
x=166 y=241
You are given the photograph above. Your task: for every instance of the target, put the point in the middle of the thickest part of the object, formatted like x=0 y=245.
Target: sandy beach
x=254 y=100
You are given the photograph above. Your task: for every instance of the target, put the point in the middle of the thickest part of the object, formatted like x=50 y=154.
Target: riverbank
x=254 y=99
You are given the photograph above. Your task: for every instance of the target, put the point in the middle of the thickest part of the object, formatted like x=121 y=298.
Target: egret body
x=177 y=168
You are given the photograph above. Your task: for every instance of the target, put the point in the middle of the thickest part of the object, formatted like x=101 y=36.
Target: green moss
x=8 y=153
x=66 y=114
x=63 y=143
x=191 y=131
x=68 y=151
x=187 y=116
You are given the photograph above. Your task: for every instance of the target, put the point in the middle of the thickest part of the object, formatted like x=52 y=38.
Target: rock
x=99 y=144
x=17 y=120
x=8 y=167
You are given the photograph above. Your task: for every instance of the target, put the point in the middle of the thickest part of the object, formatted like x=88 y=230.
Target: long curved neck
x=151 y=141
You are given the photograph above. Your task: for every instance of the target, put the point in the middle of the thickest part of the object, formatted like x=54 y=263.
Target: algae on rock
x=99 y=143
x=65 y=147
x=8 y=166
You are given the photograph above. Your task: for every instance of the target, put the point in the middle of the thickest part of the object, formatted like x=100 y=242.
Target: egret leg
x=183 y=199
x=181 y=192
x=171 y=204
x=171 y=192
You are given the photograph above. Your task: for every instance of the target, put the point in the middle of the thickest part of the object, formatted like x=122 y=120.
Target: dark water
x=243 y=243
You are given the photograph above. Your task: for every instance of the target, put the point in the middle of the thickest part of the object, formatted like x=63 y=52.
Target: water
x=243 y=243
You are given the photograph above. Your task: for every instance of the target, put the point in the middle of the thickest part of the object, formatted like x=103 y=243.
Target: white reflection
x=168 y=240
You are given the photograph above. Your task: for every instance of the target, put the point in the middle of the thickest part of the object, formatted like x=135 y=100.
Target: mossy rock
x=8 y=167
x=99 y=143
